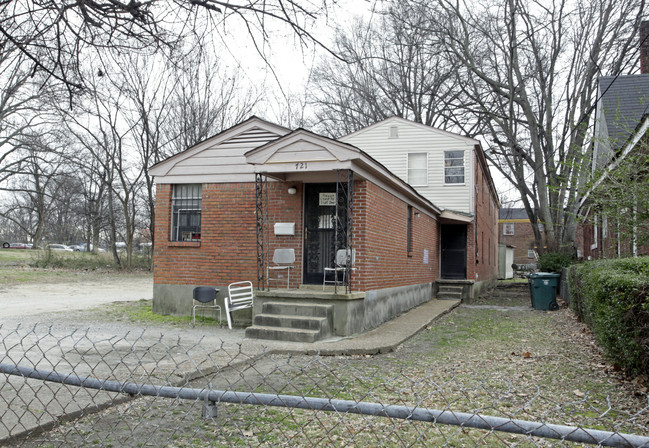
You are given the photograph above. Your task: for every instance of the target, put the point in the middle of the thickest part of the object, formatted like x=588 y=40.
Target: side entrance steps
x=295 y=322
x=450 y=291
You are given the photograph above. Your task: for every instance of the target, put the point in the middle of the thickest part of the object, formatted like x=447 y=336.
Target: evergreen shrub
x=611 y=296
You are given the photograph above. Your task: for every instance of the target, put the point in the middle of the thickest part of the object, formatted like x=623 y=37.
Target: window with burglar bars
x=186 y=213
x=453 y=167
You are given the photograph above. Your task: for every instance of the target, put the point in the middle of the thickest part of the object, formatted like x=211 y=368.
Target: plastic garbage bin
x=543 y=290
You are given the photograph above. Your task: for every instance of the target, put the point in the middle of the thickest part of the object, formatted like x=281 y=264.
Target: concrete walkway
x=383 y=339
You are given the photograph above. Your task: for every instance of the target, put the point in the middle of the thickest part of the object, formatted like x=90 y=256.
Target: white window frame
x=187 y=205
x=446 y=158
x=506 y=226
x=408 y=169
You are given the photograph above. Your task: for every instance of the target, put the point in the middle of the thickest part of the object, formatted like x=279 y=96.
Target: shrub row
x=611 y=296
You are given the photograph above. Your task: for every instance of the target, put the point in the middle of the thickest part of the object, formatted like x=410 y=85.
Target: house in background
x=515 y=229
x=621 y=128
x=224 y=206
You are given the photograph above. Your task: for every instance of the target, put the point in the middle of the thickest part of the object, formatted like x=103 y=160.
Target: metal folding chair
x=203 y=295
x=240 y=296
x=283 y=259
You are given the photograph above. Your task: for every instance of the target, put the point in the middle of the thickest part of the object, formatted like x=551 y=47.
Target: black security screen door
x=320 y=229
x=453 y=251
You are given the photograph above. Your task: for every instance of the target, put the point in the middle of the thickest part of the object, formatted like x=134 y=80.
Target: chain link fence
x=149 y=390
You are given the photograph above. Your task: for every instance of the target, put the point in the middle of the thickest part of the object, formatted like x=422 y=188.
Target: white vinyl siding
x=219 y=161
x=418 y=169
x=416 y=138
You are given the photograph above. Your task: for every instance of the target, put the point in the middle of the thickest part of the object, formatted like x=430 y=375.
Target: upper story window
x=418 y=169
x=508 y=228
x=186 y=213
x=453 y=167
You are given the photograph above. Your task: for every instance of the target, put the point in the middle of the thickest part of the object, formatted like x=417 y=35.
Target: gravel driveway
x=17 y=301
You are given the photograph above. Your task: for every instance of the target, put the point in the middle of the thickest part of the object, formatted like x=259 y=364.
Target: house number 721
x=300 y=166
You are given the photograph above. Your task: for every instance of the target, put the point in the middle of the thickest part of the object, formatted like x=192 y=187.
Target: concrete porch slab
x=383 y=339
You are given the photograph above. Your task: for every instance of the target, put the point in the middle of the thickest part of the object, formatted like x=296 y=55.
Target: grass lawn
x=40 y=266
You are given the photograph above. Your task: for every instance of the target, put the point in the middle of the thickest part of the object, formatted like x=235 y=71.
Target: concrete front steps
x=296 y=322
x=450 y=291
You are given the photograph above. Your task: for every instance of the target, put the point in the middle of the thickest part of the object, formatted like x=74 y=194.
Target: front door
x=453 y=251
x=320 y=229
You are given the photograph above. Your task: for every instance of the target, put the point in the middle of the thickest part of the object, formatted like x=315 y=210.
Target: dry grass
x=505 y=361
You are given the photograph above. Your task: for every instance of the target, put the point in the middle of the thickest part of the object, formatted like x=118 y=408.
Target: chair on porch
x=240 y=296
x=283 y=260
x=204 y=297
x=345 y=258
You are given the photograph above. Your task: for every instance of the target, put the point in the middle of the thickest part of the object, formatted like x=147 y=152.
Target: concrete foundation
x=357 y=312
x=176 y=300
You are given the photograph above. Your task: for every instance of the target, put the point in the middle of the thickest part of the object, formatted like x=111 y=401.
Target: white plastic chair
x=283 y=259
x=240 y=296
x=203 y=295
x=344 y=258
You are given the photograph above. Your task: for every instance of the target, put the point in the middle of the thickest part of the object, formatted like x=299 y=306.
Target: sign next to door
x=327 y=199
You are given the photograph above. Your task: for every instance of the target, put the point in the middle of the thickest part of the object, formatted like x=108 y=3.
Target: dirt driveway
x=31 y=299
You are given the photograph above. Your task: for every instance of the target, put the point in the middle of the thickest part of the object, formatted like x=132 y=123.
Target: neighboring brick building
x=225 y=205
x=621 y=130
x=515 y=229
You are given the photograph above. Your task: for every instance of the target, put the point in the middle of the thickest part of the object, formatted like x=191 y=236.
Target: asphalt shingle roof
x=625 y=101
x=512 y=213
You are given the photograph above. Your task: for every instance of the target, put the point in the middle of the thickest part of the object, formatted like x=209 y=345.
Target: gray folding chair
x=283 y=259
x=345 y=259
x=203 y=296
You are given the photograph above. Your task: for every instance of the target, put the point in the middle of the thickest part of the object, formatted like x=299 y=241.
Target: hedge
x=611 y=296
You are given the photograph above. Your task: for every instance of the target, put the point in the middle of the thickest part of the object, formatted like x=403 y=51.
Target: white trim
x=464 y=166
x=644 y=127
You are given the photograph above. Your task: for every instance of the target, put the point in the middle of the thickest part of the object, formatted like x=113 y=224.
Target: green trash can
x=543 y=290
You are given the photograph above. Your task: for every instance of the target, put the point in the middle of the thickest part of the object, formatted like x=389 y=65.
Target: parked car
x=18 y=246
x=83 y=247
x=76 y=247
x=59 y=247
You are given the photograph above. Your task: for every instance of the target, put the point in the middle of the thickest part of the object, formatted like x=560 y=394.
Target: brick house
x=225 y=205
x=515 y=229
x=621 y=129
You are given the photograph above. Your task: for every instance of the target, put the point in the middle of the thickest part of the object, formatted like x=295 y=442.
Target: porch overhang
x=303 y=156
x=450 y=217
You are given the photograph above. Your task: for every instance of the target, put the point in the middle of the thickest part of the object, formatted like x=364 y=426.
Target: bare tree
x=99 y=127
x=36 y=188
x=396 y=66
x=55 y=35
x=530 y=71
x=206 y=99
x=171 y=110
x=17 y=109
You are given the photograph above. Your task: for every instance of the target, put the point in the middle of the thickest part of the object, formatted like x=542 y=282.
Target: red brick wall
x=485 y=264
x=381 y=241
x=522 y=240
x=227 y=250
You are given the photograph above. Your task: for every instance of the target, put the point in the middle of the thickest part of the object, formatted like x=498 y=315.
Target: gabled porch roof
x=308 y=157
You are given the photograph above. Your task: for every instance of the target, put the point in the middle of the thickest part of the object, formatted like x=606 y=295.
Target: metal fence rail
x=443 y=417
x=148 y=390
